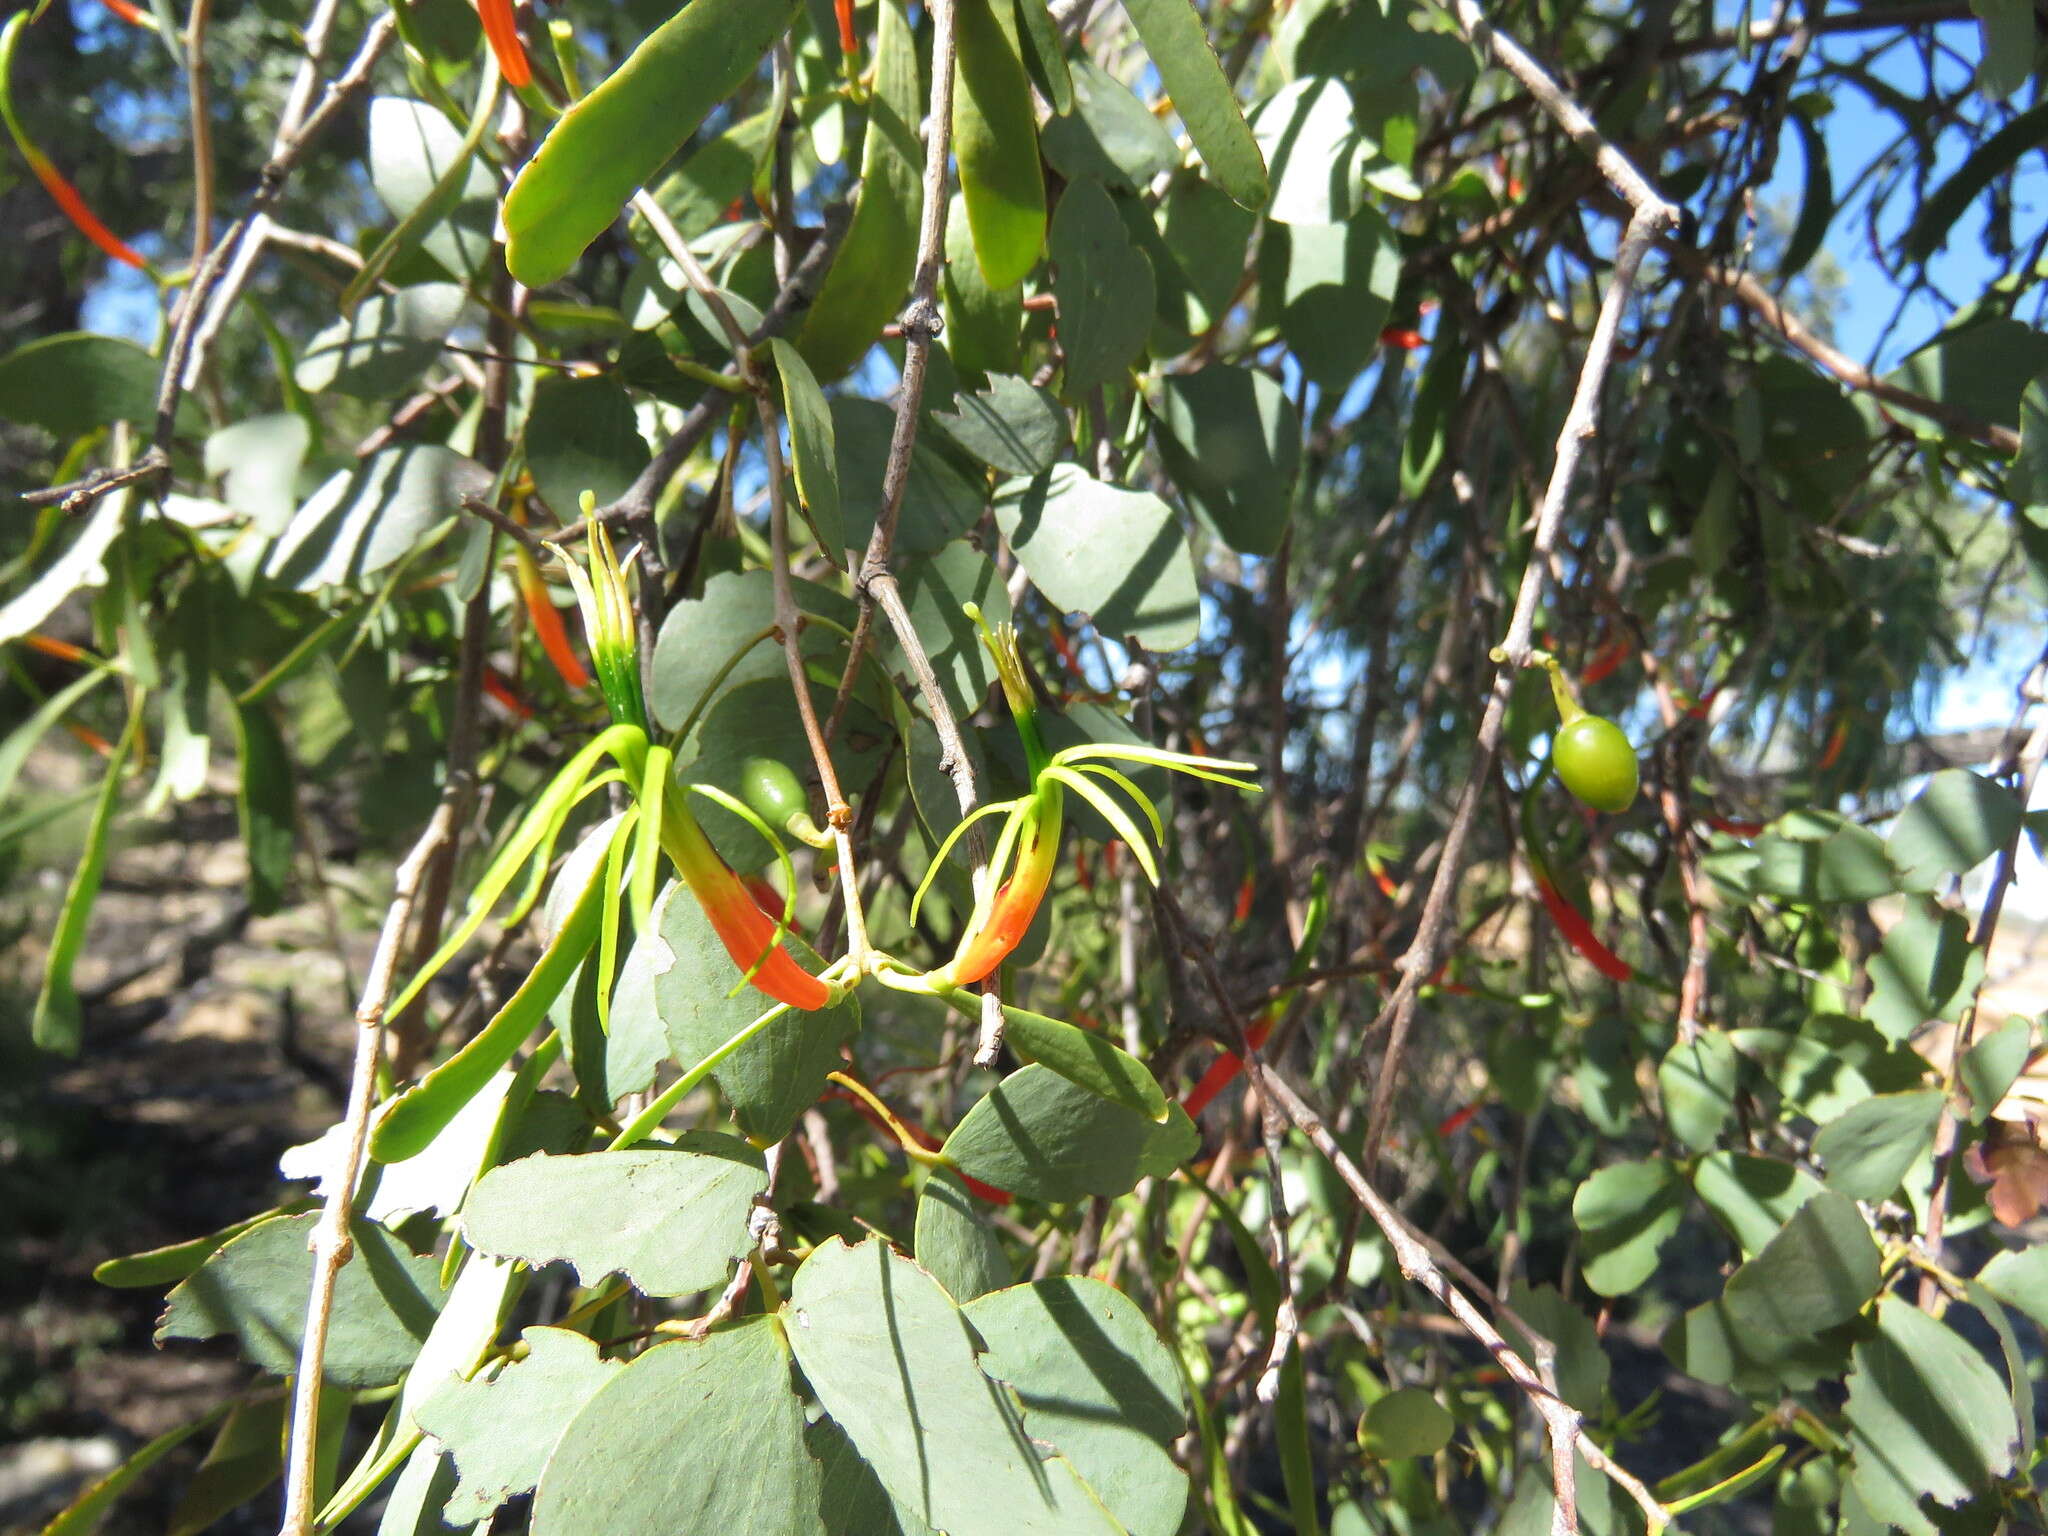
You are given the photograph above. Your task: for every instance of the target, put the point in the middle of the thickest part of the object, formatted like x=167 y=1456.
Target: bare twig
x=1743 y=287
x=1412 y=1252
x=218 y=280
x=331 y=1242
x=873 y=580
x=202 y=129
x=1581 y=421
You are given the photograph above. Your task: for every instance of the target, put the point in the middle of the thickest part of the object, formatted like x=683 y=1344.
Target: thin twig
x=202 y=130
x=331 y=1242
x=1412 y=1252
x=1767 y=307
x=789 y=629
x=1581 y=421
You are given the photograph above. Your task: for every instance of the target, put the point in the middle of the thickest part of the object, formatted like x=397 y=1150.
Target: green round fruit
x=771 y=791
x=1596 y=763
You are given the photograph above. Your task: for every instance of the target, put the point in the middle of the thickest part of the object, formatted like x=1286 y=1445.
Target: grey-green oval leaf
x=1178 y=42
x=610 y=144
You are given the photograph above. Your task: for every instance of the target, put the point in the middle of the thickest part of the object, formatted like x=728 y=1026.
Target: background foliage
x=1239 y=392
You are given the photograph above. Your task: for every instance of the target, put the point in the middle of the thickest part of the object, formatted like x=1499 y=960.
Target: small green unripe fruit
x=1596 y=763
x=772 y=792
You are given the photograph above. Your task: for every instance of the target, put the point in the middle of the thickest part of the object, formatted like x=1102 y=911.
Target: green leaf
x=1099 y=549
x=1833 y=859
x=1870 y=1149
x=1984 y=165
x=1982 y=367
x=461 y=1339
x=413 y=1507
x=2007 y=30
x=1408 y=1421
x=995 y=142
x=1959 y=820
x=2020 y=1279
x=1991 y=1066
x=780 y=1072
x=159 y=1267
x=434 y=1180
x=716 y=172
x=1335 y=283
x=1709 y=1344
x=671 y=1220
x=412 y=147
x=812 y=451
x=390 y=340
x=704 y=1435
x=1197 y=249
x=1043 y=1138
x=58 y=1023
x=984 y=325
x=1231 y=440
x=1045 y=53
x=411 y=1121
x=1816 y=200
x=500 y=1432
x=1111 y=136
x=1104 y=287
x=1087 y=1060
x=1626 y=1213
x=1928 y=1418
x=77 y=382
x=893 y=1361
x=1315 y=150
x=934 y=591
x=1582 y=1366
x=81 y=565
x=872 y=270
x=956 y=1242
x=581 y=435
x=258 y=461
x=1835 y=1062
x=939 y=502
x=1926 y=969
x=1816 y=1273
x=368 y=518
x=1096 y=1382
x=1698 y=1080
x=700 y=639
x=1752 y=1196
x=84 y=1514
x=1297 y=1451
x=610 y=144
x=266 y=806
x=22 y=740
x=1178 y=42
x=1010 y=424
x=385 y=1301
x=246 y=1457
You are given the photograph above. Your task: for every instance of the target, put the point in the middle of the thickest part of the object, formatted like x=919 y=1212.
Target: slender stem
x=330 y=1241
x=202 y=130
x=874 y=582
x=789 y=628
x=1581 y=421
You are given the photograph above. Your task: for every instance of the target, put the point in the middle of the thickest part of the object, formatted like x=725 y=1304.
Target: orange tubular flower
x=1604 y=665
x=501 y=29
x=1223 y=1070
x=1579 y=933
x=748 y=933
x=849 y=44
x=1017 y=902
x=548 y=628
x=133 y=14
x=65 y=195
